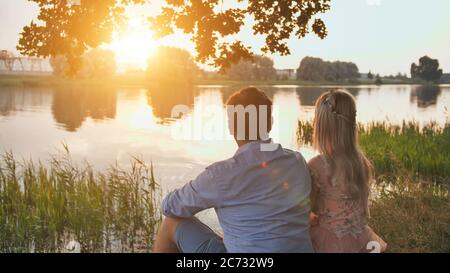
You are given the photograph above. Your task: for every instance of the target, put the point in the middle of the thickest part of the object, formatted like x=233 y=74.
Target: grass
x=410 y=208
x=412 y=217
x=407 y=149
x=48 y=80
x=43 y=209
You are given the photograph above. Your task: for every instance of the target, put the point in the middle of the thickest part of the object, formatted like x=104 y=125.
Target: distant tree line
x=175 y=65
x=316 y=69
x=399 y=76
x=427 y=70
x=379 y=79
x=172 y=65
x=96 y=63
x=260 y=68
x=310 y=69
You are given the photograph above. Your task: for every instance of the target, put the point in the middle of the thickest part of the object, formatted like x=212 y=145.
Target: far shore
x=138 y=80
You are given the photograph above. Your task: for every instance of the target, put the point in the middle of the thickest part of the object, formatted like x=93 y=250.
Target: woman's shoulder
x=318 y=168
x=318 y=162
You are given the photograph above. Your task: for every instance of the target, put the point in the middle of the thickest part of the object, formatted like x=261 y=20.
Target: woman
x=341 y=175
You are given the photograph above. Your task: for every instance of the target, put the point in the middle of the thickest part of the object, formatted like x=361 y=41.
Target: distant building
x=363 y=76
x=286 y=74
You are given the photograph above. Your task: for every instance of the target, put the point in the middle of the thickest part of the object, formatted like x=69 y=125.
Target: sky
x=384 y=36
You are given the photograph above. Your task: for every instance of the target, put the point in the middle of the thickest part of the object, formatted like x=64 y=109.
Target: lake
x=104 y=125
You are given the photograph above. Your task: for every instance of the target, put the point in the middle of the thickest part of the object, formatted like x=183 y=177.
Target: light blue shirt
x=261 y=199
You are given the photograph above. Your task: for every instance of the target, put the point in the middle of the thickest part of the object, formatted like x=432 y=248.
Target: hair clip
x=328 y=102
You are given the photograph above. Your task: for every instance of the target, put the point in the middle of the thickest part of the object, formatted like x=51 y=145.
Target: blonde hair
x=336 y=137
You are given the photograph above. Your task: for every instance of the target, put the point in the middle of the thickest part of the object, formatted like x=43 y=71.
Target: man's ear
x=269 y=129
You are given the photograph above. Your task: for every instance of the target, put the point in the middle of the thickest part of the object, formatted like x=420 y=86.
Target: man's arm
x=197 y=195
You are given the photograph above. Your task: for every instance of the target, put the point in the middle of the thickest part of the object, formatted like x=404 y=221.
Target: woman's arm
x=315 y=187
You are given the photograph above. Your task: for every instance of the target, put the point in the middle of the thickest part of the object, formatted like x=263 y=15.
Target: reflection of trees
x=14 y=99
x=162 y=99
x=309 y=95
x=7 y=102
x=72 y=106
x=425 y=95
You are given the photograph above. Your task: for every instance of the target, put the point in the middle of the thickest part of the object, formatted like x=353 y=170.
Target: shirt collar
x=252 y=146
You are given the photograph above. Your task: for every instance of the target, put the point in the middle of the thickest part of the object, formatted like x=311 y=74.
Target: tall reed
x=60 y=206
x=407 y=149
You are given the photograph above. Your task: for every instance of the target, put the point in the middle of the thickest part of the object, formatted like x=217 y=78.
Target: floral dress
x=338 y=221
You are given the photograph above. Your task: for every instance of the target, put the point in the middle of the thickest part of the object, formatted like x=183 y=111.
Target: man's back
x=261 y=199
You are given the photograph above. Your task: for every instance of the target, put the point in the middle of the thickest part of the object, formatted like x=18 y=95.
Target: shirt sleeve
x=197 y=195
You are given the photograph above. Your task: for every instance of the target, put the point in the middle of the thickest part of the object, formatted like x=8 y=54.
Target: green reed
x=43 y=208
x=421 y=152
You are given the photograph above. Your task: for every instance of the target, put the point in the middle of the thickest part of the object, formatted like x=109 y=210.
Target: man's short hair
x=256 y=107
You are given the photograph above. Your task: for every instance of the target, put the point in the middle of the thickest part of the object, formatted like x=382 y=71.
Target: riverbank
x=63 y=207
x=53 y=81
x=56 y=205
x=302 y=83
x=139 y=80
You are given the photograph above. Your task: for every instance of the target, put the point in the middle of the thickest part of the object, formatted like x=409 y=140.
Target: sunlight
x=142 y=118
x=141 y=115
x=134 y=46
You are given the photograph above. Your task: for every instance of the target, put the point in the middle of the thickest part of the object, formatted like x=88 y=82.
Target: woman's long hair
x=336 y=137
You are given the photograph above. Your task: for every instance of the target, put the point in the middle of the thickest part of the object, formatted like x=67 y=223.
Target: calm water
x=105 y=125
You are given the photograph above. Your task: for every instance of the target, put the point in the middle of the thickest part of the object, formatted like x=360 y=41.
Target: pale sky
x=385 y=36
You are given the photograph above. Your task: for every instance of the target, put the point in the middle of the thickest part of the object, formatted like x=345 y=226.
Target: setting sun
x=133 y=46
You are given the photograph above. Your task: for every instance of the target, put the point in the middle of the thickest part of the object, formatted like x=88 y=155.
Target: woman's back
x=341 y=222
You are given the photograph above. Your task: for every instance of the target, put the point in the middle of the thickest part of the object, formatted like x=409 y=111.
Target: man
x=261 y=194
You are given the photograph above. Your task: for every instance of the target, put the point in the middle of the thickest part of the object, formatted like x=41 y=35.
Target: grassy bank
x=139 y=80
x=44 y=209
x=410 y=209
x=131 y=80
x=411 y=216
x=299 y=82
